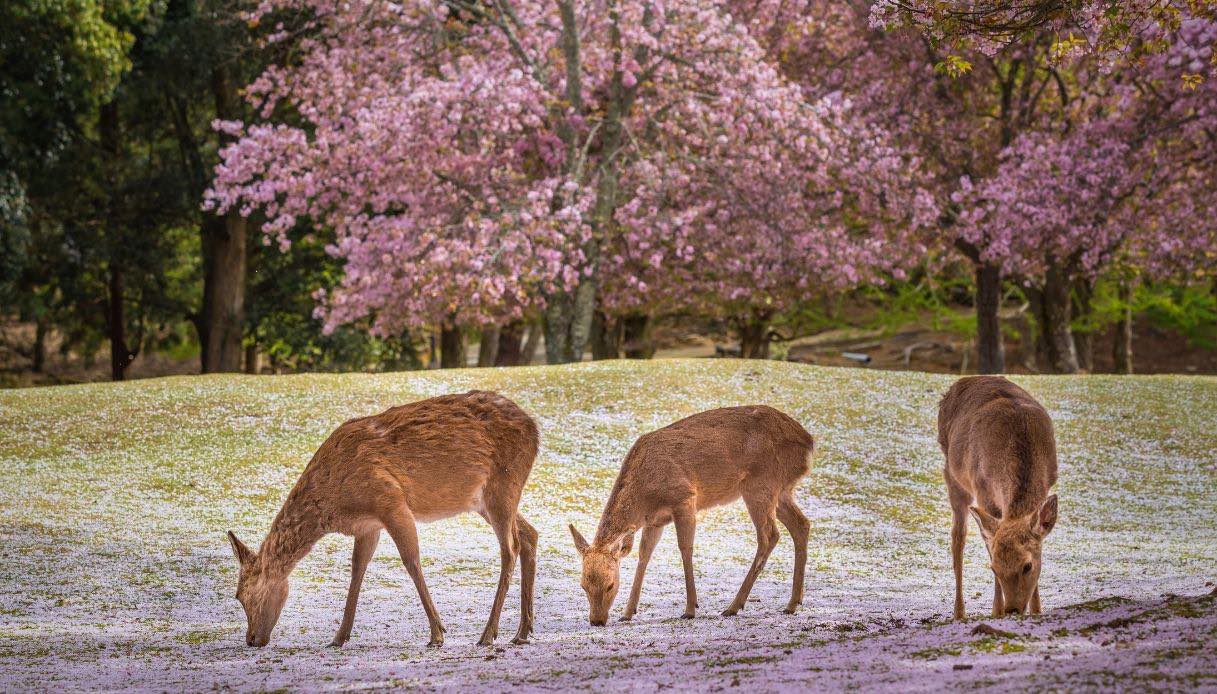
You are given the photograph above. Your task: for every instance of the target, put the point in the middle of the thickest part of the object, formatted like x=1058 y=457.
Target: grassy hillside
x=114 y=500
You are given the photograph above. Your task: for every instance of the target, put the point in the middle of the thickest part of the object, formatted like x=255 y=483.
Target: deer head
x=261 y=591
x=601 y=573
x=1014 y=551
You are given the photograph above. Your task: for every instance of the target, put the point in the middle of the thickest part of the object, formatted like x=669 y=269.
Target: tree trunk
x=510 y=342
x=1062 y=355
x=222 y=318
x=990 y=350
x=636 y=336
x=754 y=335
x=488 y=347
x=1122 y=349
x=606 y=337
x=41 y=327
x=452 y=348
x=529 y=354
x=1083 y=335
x=116 y=325
x=253 y=359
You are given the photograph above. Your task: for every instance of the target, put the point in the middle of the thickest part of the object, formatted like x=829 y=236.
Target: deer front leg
x=959 y=534
x=998 y=604
x=526 y=536
x=650 y=538
x=365 y=547
x=401 y=528
x=685 y=520
x=506 y=532
x=762 y=511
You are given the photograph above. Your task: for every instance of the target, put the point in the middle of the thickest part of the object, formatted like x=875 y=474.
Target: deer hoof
x=730 y=611
x=520 y=641
x=688 y=615
x=626 y=617
x=791 y=609
x=337 y=642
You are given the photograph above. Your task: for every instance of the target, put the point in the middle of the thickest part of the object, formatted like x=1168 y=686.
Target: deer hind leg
x=762 y=511
x=799 y=528
x=650 y=538
x=685 y=520
x=365 y=547
x=502 y=517
x=526 y=539
x=959 y=534
x=400 y=525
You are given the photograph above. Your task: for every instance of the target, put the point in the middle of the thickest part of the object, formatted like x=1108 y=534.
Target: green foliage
x=279 y=313
x=1190 y=310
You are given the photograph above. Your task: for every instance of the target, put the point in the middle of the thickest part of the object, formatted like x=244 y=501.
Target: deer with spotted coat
x=411 y=464
x=702 y=461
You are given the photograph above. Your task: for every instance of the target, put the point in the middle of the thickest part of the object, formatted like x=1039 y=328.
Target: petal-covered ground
x=115 y=572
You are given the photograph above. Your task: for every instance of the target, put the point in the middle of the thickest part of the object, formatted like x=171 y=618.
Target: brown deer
x=702 y=461
x=1000 y=465
x=411 y=464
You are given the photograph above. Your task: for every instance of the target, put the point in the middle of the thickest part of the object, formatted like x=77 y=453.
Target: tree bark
x=754 y=335
x=41 y=328
x=222 y=319
x=452 y=348
x=510 y=344
x=636 y=336
x=253 y=359
x=121 y=356
x=488 y=347
x=1122 y=348
x=1062 y=355
x=606 y=337
x=990 y=350
x=1083 y=336
x=529 y=354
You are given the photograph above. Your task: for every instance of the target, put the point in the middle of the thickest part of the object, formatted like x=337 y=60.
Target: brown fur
x=1000 y=466
x=416 y=463
x=705 y=460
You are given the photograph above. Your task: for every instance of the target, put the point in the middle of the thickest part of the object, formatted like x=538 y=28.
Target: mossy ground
x=114 y=570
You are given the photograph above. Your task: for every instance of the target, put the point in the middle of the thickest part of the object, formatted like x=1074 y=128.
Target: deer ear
x=580 y=543
x=243 y=553
x=1047 y=516
x=987 y=523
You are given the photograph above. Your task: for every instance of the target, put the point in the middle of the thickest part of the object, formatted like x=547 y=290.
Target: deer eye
x=1027 y=568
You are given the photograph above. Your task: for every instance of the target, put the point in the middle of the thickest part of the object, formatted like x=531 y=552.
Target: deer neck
x=292 y=534
x=622 y=516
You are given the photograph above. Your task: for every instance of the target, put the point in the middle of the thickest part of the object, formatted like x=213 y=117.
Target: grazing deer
x=1000 y=465
x=416 y=463
x=702 y=461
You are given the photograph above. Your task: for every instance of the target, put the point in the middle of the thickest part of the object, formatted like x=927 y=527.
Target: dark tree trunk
x=990 y=350
x=754 y=335
x=253 y=359
x=1122 y=348
x=121 y=356
x=1058 y=336
x=222 y=319
x=41 y=328
x=636 y=336
x=606 y=337
x=529 y=354
x=1083 y=311
x=488 y=347
x=452 y=348
x=511 y=337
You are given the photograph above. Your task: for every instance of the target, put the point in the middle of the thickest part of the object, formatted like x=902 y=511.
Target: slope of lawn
x=114 y=569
